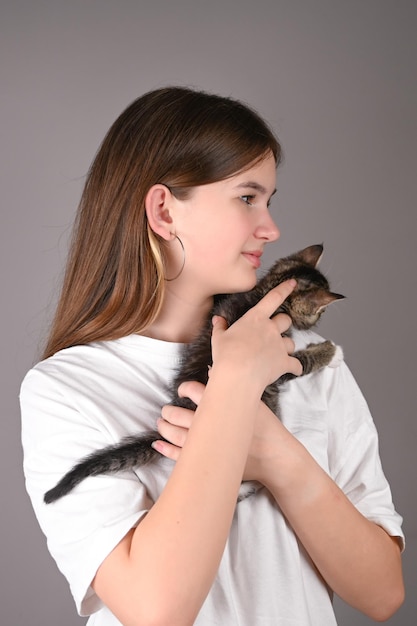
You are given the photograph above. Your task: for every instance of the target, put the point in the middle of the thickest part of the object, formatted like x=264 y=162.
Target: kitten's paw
x=337 y=357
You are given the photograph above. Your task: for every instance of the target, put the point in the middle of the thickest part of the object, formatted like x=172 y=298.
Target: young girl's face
x=224 y=227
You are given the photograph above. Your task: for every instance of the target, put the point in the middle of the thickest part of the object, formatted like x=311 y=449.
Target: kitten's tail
x=129 y=453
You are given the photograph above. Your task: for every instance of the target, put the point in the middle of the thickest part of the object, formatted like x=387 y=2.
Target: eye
x=248 y=200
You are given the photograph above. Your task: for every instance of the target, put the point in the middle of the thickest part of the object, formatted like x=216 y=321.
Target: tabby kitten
x=304 y=306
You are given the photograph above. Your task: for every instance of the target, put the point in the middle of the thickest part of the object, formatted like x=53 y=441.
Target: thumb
x=219 y=324
x=191 y=389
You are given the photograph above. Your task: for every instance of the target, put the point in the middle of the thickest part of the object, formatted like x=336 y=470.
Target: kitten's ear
x=323 y=298
x=312 y=254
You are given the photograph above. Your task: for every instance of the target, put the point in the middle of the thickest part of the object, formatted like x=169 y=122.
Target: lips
x=254 y=257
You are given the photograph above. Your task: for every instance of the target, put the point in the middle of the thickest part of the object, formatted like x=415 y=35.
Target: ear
x=157 y=207
x=323 y=298
x=312 y=254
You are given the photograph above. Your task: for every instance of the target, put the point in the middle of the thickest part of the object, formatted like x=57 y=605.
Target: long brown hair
x=114 y=284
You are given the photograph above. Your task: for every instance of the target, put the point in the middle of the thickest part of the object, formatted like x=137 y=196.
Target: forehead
x=261 y=177
x=257 y=178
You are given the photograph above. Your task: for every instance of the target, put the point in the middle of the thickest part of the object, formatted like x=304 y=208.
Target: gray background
x=336 y=79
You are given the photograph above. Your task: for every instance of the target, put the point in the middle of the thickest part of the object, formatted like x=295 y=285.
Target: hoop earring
x=168 y=280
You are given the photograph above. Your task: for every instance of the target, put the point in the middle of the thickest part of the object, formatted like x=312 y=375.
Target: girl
x=175 y=211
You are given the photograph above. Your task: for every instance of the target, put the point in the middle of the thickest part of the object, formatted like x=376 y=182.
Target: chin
x=243 y=285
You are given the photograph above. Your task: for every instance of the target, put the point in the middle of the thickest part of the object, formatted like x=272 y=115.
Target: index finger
x=274 y=298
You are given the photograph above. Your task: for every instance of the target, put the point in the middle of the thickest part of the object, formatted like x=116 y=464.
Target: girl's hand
x=270 y=448
x=175 y=421
x=254 y=344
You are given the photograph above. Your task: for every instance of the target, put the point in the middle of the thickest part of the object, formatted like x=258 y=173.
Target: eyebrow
x=255 y=186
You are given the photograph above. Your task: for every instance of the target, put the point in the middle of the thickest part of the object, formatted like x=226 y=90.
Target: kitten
x=304 y=305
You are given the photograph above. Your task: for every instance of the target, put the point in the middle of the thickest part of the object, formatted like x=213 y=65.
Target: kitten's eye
x=248 y=200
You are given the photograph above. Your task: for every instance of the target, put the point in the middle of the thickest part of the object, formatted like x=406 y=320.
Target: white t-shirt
x=86 y=397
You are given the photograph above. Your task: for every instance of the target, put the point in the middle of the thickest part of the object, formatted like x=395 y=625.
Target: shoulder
x=87 y=365
x=66 y=369
x=330 y=391
x=302 y=338
x=102 y=385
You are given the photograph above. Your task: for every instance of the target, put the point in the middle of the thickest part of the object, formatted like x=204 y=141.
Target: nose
x=267 y=229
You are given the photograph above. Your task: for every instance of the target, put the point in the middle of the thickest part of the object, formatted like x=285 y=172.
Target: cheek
x=216 y=235
x=211 y=238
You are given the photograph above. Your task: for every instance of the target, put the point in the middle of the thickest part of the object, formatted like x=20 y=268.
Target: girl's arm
x=161 y=572
x=355 y=556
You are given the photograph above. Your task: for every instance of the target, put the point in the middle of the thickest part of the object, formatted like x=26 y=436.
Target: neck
x=180 y=320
